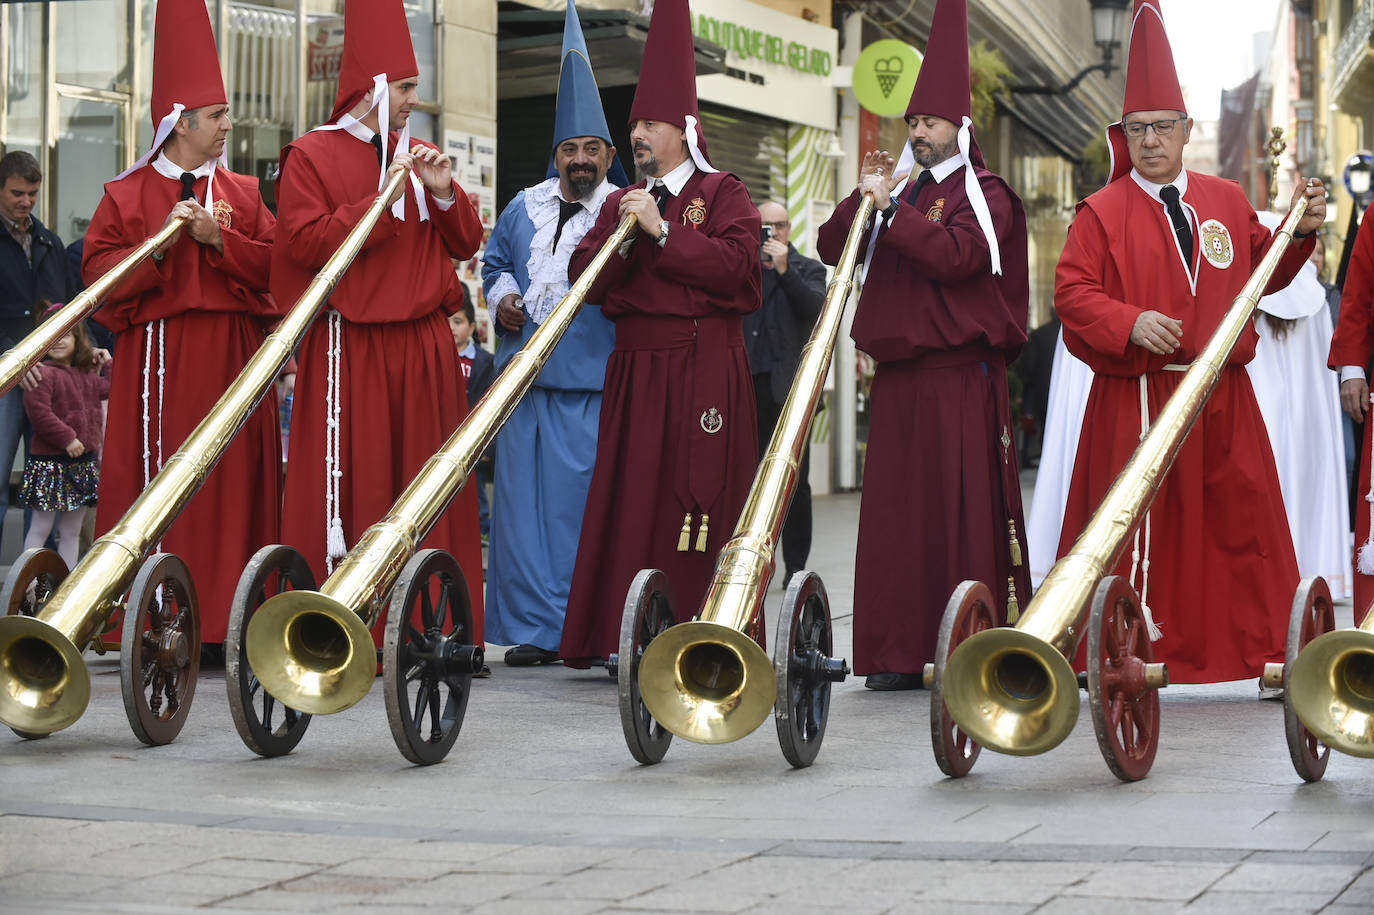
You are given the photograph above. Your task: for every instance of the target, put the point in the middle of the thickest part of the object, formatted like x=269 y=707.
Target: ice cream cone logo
x=888 y=70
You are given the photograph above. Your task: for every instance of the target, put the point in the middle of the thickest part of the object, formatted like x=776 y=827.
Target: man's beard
x=649 y=167
x=582 y=182
x=933 y=155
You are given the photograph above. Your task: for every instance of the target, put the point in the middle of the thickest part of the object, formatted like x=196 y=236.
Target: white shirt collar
x=169 y=169
x=676 y=179
x=592 y=202
x=358 y=129
x=1149 y=187
x=946 y=168
x=469 y=351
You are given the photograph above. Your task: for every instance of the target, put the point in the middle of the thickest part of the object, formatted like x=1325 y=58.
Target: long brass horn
x=27 y=353
x=1013 y=689
x=44 y=685
x=1332 y=688
x=707 y=680
x=313 y=650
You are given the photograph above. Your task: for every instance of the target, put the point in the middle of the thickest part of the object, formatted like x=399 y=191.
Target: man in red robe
x=943 y=311
x=1352 y=349
x=1152 y=263
x=379 y=388
x=676 y=446
x=189 y=318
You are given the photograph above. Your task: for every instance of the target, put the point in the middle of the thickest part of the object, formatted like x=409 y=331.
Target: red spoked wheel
x=971 y=609
x=1312 y=615
x=1123 y=680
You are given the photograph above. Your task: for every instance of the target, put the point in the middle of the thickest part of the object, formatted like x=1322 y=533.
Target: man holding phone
x=793 y=292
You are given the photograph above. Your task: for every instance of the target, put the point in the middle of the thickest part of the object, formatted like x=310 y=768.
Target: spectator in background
x=479 y=370
x=33 y=266
x=793 y=293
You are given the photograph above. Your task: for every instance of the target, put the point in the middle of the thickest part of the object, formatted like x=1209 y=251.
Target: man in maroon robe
x=676 y=445
x=379 y=387
x=188 y=318
x=943 y=311
x=1152 y=263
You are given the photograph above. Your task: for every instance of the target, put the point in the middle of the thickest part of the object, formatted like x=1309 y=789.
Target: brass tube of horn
x=707 y=680
x=25 y=354
x=44 y=685
x=312 y=650
x=1332 y=688
x=1013 y=689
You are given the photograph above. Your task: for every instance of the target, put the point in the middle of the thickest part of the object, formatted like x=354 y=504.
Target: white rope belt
x=335 y=546
x=148 y=470
x=1140 y=560
x=1364 y=559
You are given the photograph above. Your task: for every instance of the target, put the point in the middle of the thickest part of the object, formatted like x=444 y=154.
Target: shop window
x=751 y=146
x=23 y=83
x=92 y=46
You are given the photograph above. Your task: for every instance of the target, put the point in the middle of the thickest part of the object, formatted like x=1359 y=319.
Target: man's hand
x=434 y=169
x=31 y=379
x=876 y=178
x=645 y=209
x=1355 y=398
x=203 y=228
x=1315 y=192
x=76 y=449
x=777 y=251
x=1157 y=332
x=181 y=209
x=401 y=162
x=509 y=311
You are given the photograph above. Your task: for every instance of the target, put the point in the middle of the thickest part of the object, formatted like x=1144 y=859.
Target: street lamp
x=1107 y=18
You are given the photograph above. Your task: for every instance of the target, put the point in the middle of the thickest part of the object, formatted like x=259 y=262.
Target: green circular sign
x=884 y=76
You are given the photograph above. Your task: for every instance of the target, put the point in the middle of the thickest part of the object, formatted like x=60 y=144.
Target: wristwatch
x=662 y=233
x=890 y=210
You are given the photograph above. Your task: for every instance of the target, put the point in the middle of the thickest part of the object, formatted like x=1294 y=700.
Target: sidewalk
x=540 y=808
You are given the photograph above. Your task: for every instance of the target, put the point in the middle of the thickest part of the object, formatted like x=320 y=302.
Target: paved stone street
x=539 y=808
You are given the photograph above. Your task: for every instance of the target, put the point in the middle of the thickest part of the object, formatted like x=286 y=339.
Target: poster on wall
x=474 y=168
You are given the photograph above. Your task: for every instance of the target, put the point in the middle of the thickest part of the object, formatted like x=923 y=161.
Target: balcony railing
x=1348 y=60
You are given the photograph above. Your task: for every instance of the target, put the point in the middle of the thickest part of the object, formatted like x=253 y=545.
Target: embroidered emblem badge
x=1216 y=244
x=937 y=211
x=223 y=213
x=695 y=214
x=711 y=421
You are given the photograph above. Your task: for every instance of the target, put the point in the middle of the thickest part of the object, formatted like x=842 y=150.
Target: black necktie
x=188 y=186
x=1169 y=194
x=377 y=144
x=924 y=178
x=660 y=192
x=566 y=211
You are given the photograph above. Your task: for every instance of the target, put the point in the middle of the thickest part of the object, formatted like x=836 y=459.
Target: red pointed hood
x=376 y=40
x=1151 y=79
x=667 y=91
x=185 y=61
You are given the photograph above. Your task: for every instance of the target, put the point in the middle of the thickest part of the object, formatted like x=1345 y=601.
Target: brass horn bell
x=44 y=684
x=311 y=652
x=722 y=684
x=1332 y=688
x=1014 y=692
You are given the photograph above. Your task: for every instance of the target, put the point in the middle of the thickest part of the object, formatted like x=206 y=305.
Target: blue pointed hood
x=579 y=112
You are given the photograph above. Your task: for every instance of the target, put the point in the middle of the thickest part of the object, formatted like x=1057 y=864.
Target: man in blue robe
x=545 y=451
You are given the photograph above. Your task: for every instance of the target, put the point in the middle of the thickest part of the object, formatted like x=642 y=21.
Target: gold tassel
x=684 y=538
x=701 y=532
x=1013 y=608
x=1013 y=543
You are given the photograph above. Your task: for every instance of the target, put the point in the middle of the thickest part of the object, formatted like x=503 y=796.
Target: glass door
x=88 y=149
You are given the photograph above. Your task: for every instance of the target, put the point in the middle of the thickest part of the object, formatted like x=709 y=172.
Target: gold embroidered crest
x=695 y=214
x=937 y=211
x=711 y=421
x=1216 y=244
x=223 y=213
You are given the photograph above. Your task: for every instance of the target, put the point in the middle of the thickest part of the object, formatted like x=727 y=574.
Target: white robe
x=1299 y=398
x=1070 y=380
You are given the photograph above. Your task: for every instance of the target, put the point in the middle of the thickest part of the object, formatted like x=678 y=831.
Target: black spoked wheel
x=805 y=669
x=160 y=649
x=265 y=725
x=428 y=658
x=648 y=612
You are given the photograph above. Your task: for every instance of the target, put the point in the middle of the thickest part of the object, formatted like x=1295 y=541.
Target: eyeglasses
x=1136 y=129
x=779 y=225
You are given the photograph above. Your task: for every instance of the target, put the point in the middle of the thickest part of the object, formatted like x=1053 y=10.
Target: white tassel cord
x=1140 y=559
x=335 y=546
x=1364 y=563
x=148 y=469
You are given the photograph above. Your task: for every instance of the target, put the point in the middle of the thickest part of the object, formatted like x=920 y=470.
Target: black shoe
x=483 y=674
x=893 y=682
x=529 y=655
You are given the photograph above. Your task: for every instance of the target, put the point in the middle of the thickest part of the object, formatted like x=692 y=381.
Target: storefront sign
x=474 y=168
x=780 y=64
x=885 y=75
